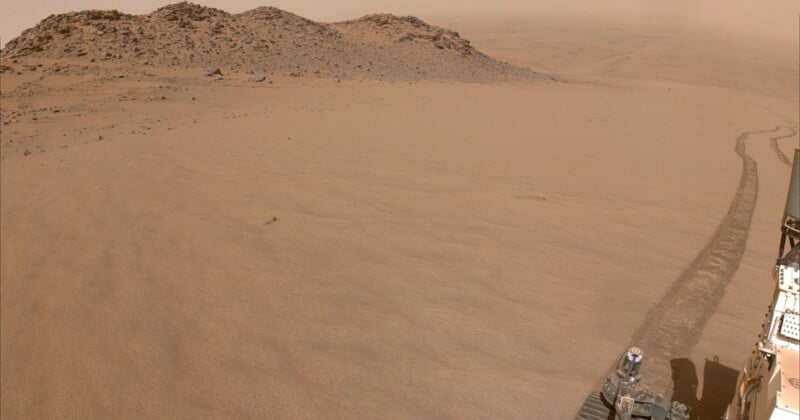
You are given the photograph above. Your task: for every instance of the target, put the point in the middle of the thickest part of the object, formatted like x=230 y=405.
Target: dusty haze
x=372 y=220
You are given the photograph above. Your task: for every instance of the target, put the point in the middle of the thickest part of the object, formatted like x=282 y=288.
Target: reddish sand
x=176 y=247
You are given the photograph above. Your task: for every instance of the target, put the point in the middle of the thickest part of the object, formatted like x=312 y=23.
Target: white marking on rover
x=790 y=326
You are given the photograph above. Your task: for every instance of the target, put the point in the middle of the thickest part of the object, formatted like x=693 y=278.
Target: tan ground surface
x=439 y=249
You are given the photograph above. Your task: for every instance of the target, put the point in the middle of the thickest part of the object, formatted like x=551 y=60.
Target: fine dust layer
x=174 y=247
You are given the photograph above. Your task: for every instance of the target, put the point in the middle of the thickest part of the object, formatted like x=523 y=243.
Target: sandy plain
x=179 y=248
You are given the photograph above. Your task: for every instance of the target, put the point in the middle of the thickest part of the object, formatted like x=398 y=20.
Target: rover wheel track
x=773 y=142
x=672 y=327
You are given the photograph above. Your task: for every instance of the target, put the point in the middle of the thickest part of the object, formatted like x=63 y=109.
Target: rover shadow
x=719 y=386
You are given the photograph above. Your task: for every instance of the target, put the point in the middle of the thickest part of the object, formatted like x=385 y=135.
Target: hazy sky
x=773 y=16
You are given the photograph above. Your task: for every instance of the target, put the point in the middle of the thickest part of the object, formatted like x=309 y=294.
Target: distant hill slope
x=266 y=40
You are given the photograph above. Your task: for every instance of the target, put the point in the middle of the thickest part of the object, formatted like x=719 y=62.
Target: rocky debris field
x=265 y=40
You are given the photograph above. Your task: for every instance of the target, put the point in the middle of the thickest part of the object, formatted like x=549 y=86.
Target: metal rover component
x=790 y=225
x=790 y=326
x=766 y=387
x=624 y=392
x=789 y=277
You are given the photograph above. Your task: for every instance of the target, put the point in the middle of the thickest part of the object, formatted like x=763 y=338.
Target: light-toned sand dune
x=174 y=246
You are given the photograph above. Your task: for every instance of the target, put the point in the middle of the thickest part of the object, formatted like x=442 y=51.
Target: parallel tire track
x=672 y=327
x=773 y=142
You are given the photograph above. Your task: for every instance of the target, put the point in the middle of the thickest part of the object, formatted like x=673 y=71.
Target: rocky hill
x=264 y=40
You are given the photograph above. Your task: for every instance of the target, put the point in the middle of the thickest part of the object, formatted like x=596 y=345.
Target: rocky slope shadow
x=264 y=40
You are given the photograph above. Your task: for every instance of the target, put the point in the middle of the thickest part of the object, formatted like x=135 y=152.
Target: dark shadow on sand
x=719 y=385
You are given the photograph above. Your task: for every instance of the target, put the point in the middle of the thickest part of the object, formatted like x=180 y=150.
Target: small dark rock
x=213 y=71
x=533 y=197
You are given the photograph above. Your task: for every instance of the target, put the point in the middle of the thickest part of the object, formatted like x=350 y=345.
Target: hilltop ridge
x=265 y=40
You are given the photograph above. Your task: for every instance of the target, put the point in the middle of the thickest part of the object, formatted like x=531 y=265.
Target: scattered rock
x=213 y=72
x=271 y=220
x=262 y=40
x=257 y=79
x=532 y=197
